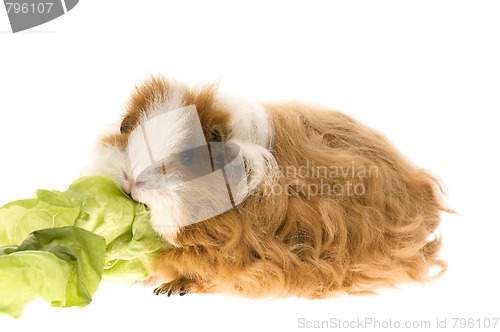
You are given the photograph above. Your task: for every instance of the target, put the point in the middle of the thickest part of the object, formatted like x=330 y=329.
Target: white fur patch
x=249 y=121
x=174 y=100
x=251 y=129
x=107 y=161
x=163 y=136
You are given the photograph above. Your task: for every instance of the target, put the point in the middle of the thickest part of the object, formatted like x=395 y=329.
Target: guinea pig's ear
x=215 y=136
x=127 y=125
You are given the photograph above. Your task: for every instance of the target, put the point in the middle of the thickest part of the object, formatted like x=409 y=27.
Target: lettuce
x=60 y=245
x=63 y=265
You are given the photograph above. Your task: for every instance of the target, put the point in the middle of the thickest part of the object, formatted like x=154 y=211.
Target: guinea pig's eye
x=216 y=136
x=188 y=157
x=126 y=126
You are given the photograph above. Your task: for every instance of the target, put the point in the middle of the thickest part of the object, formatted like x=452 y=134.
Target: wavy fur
x=302 y=233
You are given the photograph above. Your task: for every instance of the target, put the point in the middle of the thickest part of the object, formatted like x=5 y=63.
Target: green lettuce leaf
x=62 y=265
x=18 y=219
x=59 y=245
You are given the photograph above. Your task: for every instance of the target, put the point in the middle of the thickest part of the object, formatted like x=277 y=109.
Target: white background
x=426 y=73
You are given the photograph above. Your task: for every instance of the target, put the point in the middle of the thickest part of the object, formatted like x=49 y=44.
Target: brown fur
x=299 y=244
x=156 y=90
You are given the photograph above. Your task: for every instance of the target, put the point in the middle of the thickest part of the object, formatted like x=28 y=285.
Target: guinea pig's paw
x=181 y=286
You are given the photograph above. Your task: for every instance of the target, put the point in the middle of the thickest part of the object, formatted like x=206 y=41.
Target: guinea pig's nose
x=136 y=185
x=135 y=189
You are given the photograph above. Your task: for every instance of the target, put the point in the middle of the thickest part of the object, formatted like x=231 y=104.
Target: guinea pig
x=330 y=206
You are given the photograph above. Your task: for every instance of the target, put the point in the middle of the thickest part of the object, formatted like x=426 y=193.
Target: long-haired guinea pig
x=329 y=205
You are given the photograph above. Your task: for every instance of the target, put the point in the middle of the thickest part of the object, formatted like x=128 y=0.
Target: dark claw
x=172 y=288
x=159 y=290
